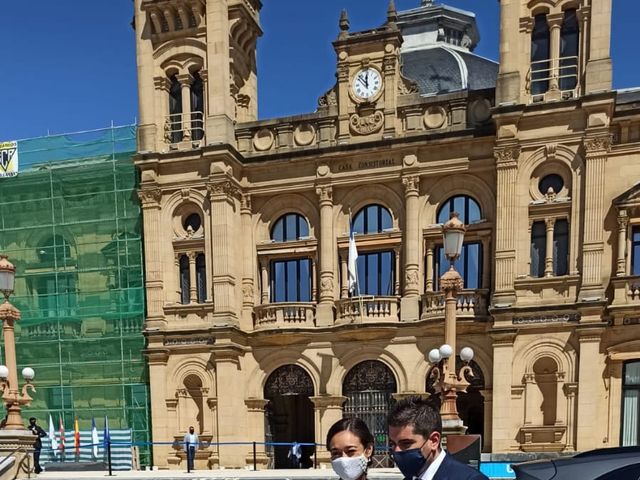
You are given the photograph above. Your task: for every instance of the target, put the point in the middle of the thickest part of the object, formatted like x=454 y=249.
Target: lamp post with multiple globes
x=12 y=396
x=448 y=382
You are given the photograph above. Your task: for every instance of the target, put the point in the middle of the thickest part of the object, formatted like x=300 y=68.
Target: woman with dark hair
x=351 y=446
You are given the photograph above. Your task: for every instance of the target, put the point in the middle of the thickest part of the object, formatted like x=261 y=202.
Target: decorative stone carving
x=326 y=286
x=325 y=193
x=451 y=280
x=150 y=197
x=551 y=318
x=368 y=124
x=304 y=134
x=507 y=157
x=226 y=188
x=597 y=144
x=263 y=139
x=411 y=183
x=411 y=279
x=434 y=117
x=407 y=86
x=245 y=202
x=247 y=293
x=480 y=111
x=330 y=98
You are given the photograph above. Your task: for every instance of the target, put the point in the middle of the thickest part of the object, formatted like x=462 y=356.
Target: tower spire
x=344 y=23
x=392 y=13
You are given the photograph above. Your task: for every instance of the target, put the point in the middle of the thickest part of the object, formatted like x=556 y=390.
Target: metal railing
x=554 y=74
x=181 y=127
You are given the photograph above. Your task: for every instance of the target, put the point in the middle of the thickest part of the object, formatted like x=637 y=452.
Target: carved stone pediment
x=367 y=124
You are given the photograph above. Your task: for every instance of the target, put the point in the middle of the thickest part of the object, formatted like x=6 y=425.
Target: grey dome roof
x=441 y=69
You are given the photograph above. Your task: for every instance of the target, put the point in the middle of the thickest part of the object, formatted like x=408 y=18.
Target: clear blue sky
x=70 y=65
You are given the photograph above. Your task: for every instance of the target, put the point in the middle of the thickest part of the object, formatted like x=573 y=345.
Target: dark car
x=621 y=463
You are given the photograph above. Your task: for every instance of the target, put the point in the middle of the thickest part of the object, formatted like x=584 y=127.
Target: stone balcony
x=471 y=304
x=368 y=309
x=626 y=299
x=284 y=315
x=543 y=438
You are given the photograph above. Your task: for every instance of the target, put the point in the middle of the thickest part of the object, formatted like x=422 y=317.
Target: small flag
x=352 y=264
x=76 y=436
x=106 y=437
x=52 y=437
x=95 y=440
x=61 y=434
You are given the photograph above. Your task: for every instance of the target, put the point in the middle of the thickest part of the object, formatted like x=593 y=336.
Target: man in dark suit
x=415 y=430
x=37 y=446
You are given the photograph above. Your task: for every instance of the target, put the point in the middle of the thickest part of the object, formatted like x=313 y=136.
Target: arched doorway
x=369 y=388
x=289 y=414
x=471 y=404
x=192 y=404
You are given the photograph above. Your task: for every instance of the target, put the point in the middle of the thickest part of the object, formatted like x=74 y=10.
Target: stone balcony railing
x=284 y=315
x=471 y=304
x=368 y=309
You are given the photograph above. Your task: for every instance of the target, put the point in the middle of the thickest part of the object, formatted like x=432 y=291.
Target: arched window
x=466 y=207
x=175 y=109
x=540 y=55
x=54 y=251
x=569 y=50
x=201 y=278
x=469 y=264
x=185 y=280
x=197 y=107
x=538 y=249
x=369 y=387
x=372 y=219
x=290 y=227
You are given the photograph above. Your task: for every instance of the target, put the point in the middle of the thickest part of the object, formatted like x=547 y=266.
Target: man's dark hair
x=354 y=425
x=32 y=420
x=419 y=413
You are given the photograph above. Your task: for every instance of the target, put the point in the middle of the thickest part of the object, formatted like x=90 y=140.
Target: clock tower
x=368 y=80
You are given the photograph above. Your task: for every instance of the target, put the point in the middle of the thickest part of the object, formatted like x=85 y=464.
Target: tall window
x=57 y=294
x=465 y=206
x=468 y=265
x=54 y=251
x=375 y=268
x=201 y=278
x=197 y=107
x=561 y=248
x=290 y=227
x=630 y=431
x=372 y=219
x=635 y=250
x=185 y=280
x=569 y=50
x=291 y=280
x=538 y=248
x=175 y=109
x=540 y=54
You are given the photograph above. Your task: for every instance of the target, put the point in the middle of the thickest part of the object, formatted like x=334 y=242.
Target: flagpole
x=352 y=243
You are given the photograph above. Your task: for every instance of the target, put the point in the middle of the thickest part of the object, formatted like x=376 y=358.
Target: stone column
x=328 y=410
x=506 y=223
x=487 y=394
x=255 y=431
x=410 y=303
x=149 y=129
x=193 y=291
x=248 y=263
x=570 y=391
x=599 y=71
x=597 y=149
x=555 y=23
x=396 y=265
x=529 y=401
x=150 y=197
x=621 y=262
x=502 y=429
x=162 y=123
x=222 y=195
x=185 y=88
x=548 y=259
x=429 y=267
x=314 y=280
x=264 y=277
x=591 y=365
x=344 y=272
x=325 y=313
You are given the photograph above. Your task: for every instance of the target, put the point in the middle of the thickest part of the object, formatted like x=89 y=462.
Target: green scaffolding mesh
x=70 y=222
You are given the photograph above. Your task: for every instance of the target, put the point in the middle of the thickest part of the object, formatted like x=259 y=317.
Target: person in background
x=37 y=446
x=415 y=430
x=191 y=442
x=351 y=445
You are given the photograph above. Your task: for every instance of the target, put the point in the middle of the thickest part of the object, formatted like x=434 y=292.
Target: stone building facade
x=252 y=331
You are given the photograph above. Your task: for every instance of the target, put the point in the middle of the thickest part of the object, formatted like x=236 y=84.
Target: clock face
x=367 y=83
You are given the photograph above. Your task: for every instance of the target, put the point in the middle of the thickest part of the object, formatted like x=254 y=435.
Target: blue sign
x=497 y=470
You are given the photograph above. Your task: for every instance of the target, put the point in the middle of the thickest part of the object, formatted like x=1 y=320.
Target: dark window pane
x=466 y=207
x=290 y=227
x=197 y=107
x=372 y=219
x=303 y=227
x=175 y=109
x=540 y=54
x=185 y=280
x=201 y=278
x=291 y=281
x=560 y=247
x=468 y=265
x=305 y=281
x=386 y=264
x=277 y=233
x=386 y=222
x=569 y=49
x=538 y=249
x=376 y=273
x=553 y=181
x=635 y=251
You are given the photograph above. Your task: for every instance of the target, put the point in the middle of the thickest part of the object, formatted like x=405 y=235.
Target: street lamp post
x=448 y=382
x=12 y=396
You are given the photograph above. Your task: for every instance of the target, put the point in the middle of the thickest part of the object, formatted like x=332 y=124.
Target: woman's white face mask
x=350 y=468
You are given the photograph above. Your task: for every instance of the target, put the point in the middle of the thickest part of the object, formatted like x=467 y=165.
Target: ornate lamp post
x=11 y=395
x=448 y=382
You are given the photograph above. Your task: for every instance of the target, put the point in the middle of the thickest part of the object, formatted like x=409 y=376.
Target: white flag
x=352 y=264
x=95 y=440
x=52 y=437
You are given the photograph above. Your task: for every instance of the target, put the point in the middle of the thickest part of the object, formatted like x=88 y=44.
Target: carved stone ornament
x=150 y=196
x=412 y=279
x=227 y=188
x=326 y=286
x=407 y=86
x=507 y=156
x=548 y=318
x=451 y=280
x=330 y=98
x=247 y=293
x=597 y=144
x=245 y=202
x=325 y=194
x=411 y=183
x=366 y=125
